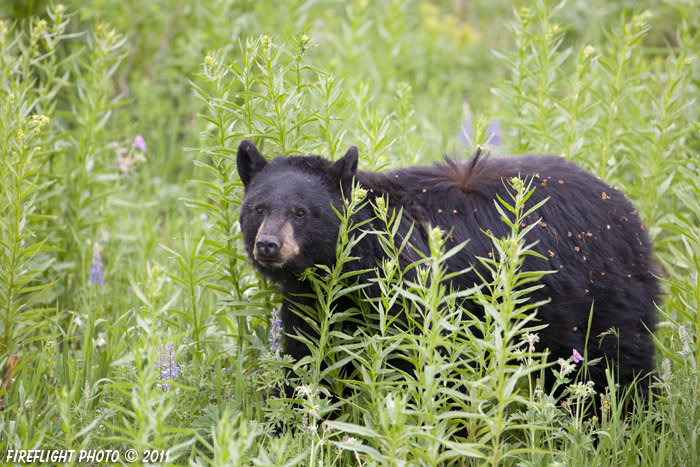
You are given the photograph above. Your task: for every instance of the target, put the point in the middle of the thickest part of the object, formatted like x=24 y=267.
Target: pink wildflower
x=577 y=356
x=140 y=143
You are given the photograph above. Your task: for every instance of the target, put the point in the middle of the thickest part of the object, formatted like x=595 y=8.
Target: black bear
x=589 y=233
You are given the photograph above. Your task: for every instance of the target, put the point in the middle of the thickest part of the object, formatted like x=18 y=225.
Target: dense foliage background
x=130 y=318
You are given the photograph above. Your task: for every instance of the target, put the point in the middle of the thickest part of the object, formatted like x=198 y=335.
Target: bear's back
x=587 y=232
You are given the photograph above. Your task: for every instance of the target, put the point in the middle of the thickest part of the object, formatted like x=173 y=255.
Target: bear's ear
x=249 y=161
x=346 y=167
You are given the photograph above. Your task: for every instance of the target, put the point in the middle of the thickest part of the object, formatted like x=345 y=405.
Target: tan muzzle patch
x=289 y=247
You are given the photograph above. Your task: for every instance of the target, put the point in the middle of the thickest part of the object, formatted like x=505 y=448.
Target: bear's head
x=287 y=215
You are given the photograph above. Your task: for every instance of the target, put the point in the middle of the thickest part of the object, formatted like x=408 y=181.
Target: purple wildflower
x=96 y=271
x=493 y=133
x=577 y=356
x=140 y=143
x=276 y=333
x=167 y=366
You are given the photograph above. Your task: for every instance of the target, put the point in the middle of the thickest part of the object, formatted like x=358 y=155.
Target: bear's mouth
x=271 y=264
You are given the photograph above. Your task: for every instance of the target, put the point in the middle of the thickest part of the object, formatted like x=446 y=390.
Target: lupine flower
x=493 y=133
x=577 y=356
x=140 y=143
x=276 y=333
x=96 y=271
x=167 y=366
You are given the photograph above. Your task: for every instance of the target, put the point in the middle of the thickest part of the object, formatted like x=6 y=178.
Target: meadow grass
x=130 y=316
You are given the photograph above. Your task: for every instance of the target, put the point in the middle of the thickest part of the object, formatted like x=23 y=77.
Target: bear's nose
x=268 y=247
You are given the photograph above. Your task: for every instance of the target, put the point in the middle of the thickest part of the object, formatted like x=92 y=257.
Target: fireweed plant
x=130 y=316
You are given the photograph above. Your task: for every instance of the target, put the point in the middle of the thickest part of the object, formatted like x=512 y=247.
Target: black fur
x=589 y=233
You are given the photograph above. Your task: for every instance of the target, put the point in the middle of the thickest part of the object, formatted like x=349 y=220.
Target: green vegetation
x=130 y=317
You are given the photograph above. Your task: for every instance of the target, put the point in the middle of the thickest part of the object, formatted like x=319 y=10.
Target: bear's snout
x=275 y=245
x=268 y=248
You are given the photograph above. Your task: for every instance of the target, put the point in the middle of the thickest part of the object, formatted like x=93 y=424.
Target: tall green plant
x=403 y=416
x=28 y=86
x=605 y=110
x=84 y=168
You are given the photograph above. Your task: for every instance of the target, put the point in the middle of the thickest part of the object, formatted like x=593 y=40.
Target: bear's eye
x=301 y=212
x=259 y=210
